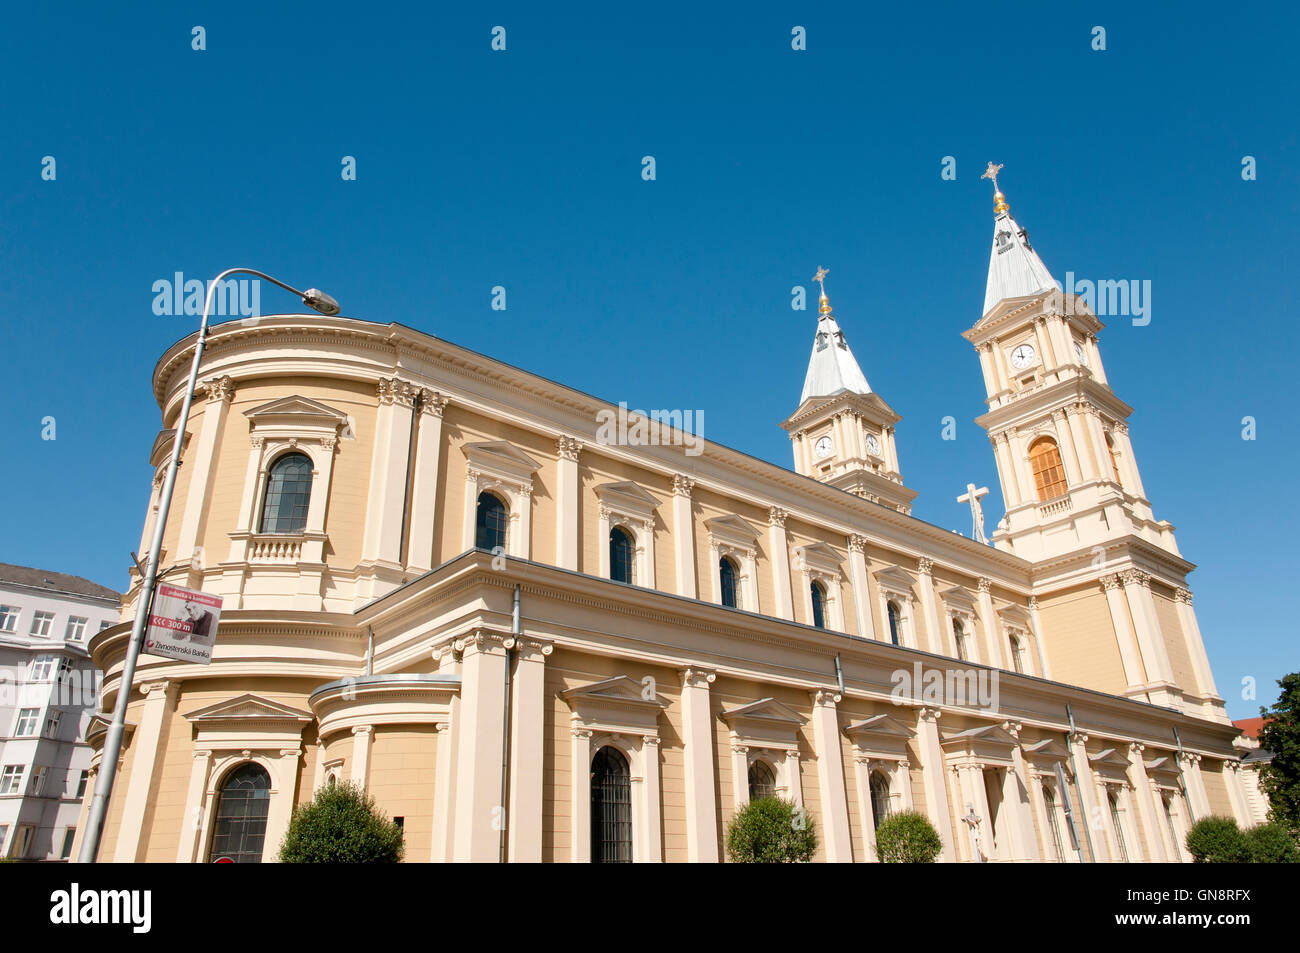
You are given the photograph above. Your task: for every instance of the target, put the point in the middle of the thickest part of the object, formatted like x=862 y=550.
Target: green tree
x=1217 y=840
x=1280 y=778
x=341 y=825
x=769 y=830
x=1272 y=844
x=907 y=838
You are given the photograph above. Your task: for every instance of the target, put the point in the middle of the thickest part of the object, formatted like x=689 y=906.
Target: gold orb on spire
x=820 y=278
x=999 y=200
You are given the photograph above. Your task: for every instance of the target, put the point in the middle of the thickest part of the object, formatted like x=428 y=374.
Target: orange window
x=1049 y=474
x=1114 y=464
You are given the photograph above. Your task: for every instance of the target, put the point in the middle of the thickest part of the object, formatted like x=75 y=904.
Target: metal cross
x=820 y=278
x=992 y=173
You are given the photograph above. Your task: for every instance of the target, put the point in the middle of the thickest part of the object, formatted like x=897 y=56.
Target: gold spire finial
x=820 y=278
x=999 y=200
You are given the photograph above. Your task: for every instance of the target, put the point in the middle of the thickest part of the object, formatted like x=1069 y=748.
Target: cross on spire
x=820 y=278
x=999 y=200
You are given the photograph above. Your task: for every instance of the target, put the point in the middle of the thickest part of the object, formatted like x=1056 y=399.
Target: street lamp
x=315 y=299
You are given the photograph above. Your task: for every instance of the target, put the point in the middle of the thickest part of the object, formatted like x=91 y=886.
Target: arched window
x=490 y=522
x=1167 y=801
x=879 y=797
x=1049 y=474
x=727 y=579
x=611 y=808
x=959 y=638
x=288 y=492
x=239 y=826
x=895 y=624
x=819 y=605
x=622 y=553
x=1049 y=802
x=1114 y=463
x=1017 y=662
x=762 y=782
x=1113 y=798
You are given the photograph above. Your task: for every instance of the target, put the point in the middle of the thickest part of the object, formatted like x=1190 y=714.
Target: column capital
x=929 y=714
x=857 y=544
x=1012 y=728
x=161 y=686
x=1078 y=738
x=697 y=677
x=220 y=389
x=568 y=447
x=776 y=516
x=1136 y=748
x=824 y=698
x=202 y=754
x=682 y=485
x=1136 y=577
x=530 y=649
x=1183 y=595
x=432 y=402
x=985 y=584
x=740 y=749
x=1110 y=582
x=392 y=390
x=363 y=729
x=483 y=641
x=1033 y=603
x=290 y=752
x=925 y=566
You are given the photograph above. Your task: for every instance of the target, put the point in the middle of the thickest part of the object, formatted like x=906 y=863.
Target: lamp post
x=314 y=299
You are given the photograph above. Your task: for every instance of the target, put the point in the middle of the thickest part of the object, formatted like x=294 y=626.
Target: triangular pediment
x=1049 y=749
x=822 y=552
x=959 y=597
x=248 y=708
x=501 y=452
x=1108 y=758
x=1016 y=615
x=618 y=690
x=1165 y=764
x=994 y=735
x=627 y=495
x=731 y=528
x=893 y=579
x=879 y=726
x=765 y=710
x=298 y=408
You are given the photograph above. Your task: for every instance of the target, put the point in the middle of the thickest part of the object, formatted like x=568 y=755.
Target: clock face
x=1078 y=353
x=823 y=447
x=873 y=445
x=1022 y=356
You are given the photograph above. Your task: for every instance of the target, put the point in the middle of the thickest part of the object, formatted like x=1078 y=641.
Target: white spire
x=1015 y=270
x=832 y=367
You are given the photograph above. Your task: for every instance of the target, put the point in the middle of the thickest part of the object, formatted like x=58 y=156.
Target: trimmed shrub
x=907 y=838
x=1217 y=840
x=770 y=830
x=1272 y=844
x=341 y=825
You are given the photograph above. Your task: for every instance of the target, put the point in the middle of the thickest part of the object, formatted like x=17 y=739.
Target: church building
x=443 y=581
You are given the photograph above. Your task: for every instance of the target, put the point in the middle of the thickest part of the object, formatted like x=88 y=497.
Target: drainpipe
x=839 y=675
x=416 y=406
x=505 y=730
x=370 y=650
x=1078 y=783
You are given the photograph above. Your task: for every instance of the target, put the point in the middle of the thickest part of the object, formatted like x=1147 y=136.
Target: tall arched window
x=622 y=554
x=1166 y=801
x=879 y=797
x=727 y=580
x=1017 y=662
x=762 y=782
x=819 y=605
x=1049 y=474
x=959 y=638
x=288 y=493
x=239 y=826
x=611 y=808
x=895 y=624
x=1049 y=803
x=1113 y=798
x=490 y=522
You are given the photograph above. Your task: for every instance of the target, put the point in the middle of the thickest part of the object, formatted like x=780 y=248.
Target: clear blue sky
x=522 y=169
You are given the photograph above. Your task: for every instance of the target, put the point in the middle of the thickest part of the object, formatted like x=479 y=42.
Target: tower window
x=818 y=605
x=895 y=624
x=727 y=580
x=621 y=555
x=959 y=638
x=288 y=494
x=1049 y=473
x=1016 y=660
x=490 y=521
x=1114 y=463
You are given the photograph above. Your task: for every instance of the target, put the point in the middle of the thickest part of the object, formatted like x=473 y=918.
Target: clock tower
x=843 y=433
x=1060 y=435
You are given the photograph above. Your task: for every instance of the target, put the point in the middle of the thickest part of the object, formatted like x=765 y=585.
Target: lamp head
x=318 y=300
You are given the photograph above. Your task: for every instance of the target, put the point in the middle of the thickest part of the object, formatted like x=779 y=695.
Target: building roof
x=1015 y=270
x=832 y=369
x=59 y=582
x=1250 y=727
